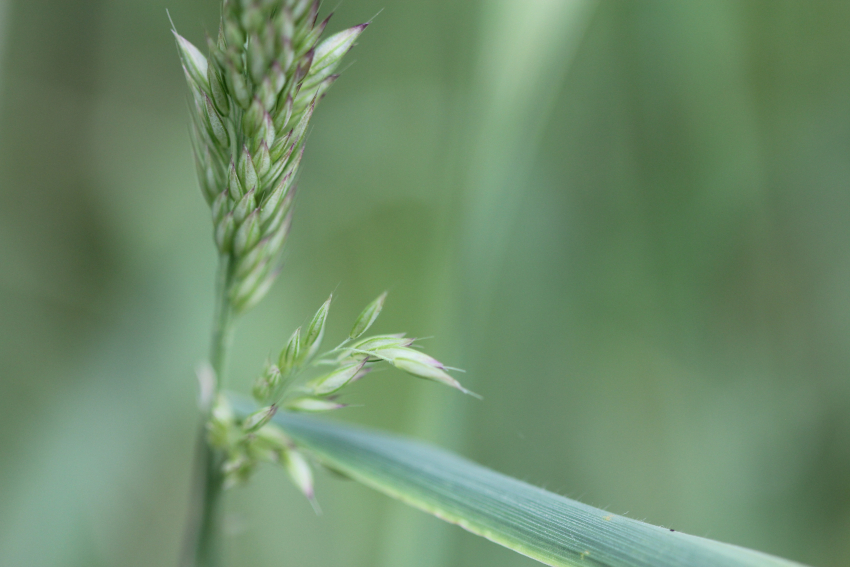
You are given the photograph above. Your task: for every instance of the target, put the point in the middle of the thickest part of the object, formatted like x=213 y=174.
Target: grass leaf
x=534 y=522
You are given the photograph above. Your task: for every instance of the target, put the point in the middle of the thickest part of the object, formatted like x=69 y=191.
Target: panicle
x=252 y=98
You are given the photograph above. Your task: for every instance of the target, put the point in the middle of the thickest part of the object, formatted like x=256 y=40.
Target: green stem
x=223 y=328
x=203 y=536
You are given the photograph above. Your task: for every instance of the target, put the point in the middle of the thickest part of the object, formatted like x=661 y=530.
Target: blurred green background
x=630 y=223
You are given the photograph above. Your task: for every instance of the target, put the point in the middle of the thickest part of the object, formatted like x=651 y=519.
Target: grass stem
x=202 y=546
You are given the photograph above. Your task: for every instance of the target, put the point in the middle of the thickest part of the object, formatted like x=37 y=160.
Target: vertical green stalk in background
x=526 y=49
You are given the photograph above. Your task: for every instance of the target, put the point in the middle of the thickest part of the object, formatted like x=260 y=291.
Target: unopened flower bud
x=266 y=94
x=303 y=67
x=252 y=16
x=253 y=118
x=272 y=202
x=238 y=470
x=290 y=354
x=233 y=33
x=330 y=52
x=335 y=380
x=266 y=385
x=249 y=301
x=313 y=92
x=248 y=234
x=273 y=436
x=206 y=175
x=259 y=418
x=287 y=56
x=257 y=62
x=247 y=284
x=301 y=7
x=220 y=207
x=299 y=471
x=263 y=453
x=312 y=405
x=368 y=316
x=237 y=86
x=429 y=372
x=214 y=124
x=265 y=133
x=244 y=206
x=382 y=342
x=280 y=150
x=247 y=263
x=316 y=330
x=246 y=171
x=301 y=127
x=283 y=114
x=234 y=185
x=193 y=60
x=391 y=353
x=277 y=77
x=221 y=422
x=309 y=37
x=262 y=160
x=224 y=231
x=218 y=90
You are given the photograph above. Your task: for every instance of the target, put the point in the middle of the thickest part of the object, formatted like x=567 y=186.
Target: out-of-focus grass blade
x=542 y=525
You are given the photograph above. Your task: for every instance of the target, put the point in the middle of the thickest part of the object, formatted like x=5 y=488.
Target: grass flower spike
x=297 y=384
x=252 y=100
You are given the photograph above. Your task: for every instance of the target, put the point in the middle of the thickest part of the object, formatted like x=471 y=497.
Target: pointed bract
x=248 y=302
x=368 y=316
x=234 y=184
x=224 y=231
x=299 y=471
x=289 y=356
x=331 y=51
x=248 y=234
x=193 y=60
x=259 y=418
x=335 y=380
x=267 y=384
x=214 y=123
x=315 y=331
x=218 y=90
x=312 y=405
x=391 y=353
x=382 y=342
x=246 y=171
x=429 y=372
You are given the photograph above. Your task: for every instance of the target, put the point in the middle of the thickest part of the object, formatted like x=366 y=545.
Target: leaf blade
x=541 y=525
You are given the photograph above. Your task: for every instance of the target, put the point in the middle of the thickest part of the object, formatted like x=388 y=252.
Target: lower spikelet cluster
x=252 y=99
x=296 y=382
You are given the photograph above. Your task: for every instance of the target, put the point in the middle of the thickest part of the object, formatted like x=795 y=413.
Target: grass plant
x=251 y=100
